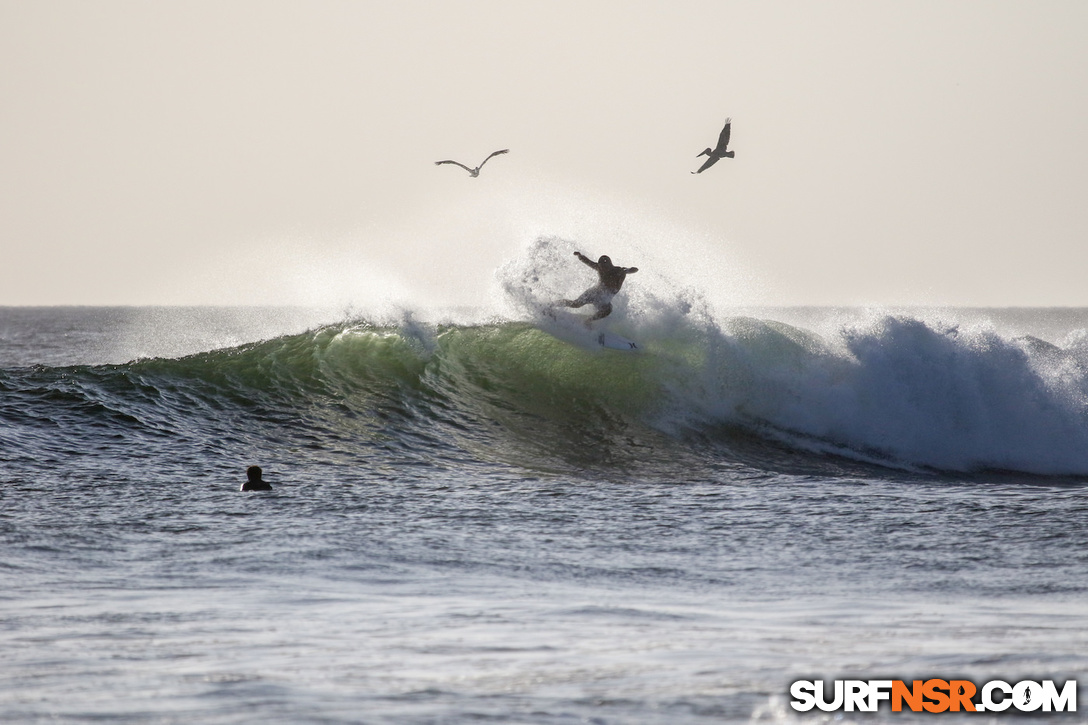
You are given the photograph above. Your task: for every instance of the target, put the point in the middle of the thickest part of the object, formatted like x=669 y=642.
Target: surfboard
x=614 y=341
x=569 y=327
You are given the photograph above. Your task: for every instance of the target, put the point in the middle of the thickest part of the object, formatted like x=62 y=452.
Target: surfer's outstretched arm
x=586 y=260
x=630 y=270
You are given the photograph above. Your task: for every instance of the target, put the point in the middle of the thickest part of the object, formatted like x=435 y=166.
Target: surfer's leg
x=603 y=311
x=587 y=297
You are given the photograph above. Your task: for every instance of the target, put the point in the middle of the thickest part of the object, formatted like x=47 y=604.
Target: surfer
x=600 y=296
x=255 y=482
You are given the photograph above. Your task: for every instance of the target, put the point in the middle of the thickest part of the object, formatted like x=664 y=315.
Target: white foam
x=897 y=388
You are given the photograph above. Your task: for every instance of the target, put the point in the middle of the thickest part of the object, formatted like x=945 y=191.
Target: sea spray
x=898 y=390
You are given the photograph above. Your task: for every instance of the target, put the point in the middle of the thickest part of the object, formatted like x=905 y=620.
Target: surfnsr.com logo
x=934 y=696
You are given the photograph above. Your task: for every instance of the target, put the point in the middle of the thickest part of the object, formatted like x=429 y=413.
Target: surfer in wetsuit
x=255 y=482
x=600 y=296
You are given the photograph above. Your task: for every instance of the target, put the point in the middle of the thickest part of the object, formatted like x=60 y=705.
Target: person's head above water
x=605 y=260
x=254 y=481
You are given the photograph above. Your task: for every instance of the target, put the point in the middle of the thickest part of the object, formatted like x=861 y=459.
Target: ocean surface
x=474 y=521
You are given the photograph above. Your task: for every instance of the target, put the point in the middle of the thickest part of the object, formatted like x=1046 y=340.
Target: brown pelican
x=472 y=172
x=718 y=151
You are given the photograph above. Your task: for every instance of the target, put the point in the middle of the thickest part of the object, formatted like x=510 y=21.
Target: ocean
x=475 y=521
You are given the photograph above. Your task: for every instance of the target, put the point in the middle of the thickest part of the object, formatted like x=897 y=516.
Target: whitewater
x=475 y=520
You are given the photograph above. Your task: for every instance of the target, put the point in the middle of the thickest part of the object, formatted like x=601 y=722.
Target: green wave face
x=897 y=392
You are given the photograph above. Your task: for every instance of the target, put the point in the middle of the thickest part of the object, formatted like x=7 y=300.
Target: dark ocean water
x=475 y=521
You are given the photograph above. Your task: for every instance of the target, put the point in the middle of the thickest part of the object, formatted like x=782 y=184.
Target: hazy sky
x=247 y=152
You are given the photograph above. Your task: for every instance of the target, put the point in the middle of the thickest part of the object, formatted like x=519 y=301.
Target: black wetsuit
x=610 y=280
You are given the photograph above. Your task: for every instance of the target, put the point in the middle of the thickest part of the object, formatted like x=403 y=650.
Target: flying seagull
x=472 y=172
x=718 y=151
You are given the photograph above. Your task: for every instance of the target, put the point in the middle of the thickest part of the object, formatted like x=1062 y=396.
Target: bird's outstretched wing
x=493 y=153
x=723 y=138
x=455 y=163
x=711 y=160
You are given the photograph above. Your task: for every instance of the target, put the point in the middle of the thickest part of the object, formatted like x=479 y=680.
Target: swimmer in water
x=600 y=296
x=255 y=482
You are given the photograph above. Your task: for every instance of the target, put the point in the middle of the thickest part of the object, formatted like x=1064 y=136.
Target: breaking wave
x=893 y=390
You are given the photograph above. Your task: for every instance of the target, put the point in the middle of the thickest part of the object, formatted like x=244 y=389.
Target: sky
x=269 y=152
